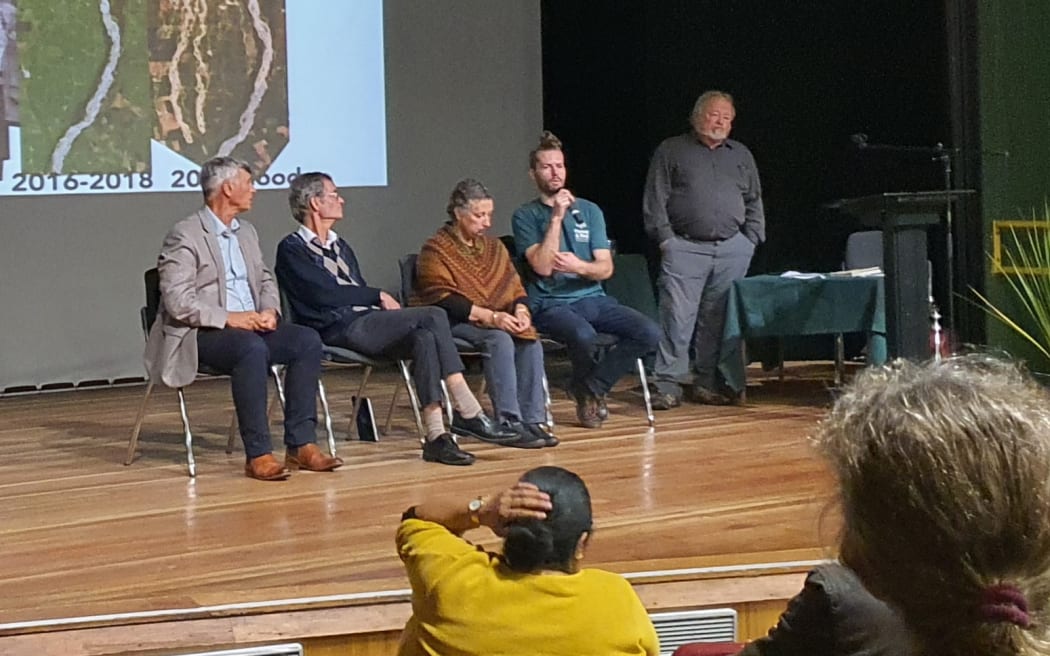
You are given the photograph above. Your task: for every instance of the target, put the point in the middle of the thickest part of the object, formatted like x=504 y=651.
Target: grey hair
x=304 y=188
x=944 y=476
x=463 y=194
x=706 y=97
x=218 y=170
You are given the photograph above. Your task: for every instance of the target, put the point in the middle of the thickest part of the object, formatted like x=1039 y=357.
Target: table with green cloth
x=777 y=306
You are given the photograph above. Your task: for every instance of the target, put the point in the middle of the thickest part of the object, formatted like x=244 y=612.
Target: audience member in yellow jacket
x=533 y=598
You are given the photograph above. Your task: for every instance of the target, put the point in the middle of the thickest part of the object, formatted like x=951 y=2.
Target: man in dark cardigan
x=320 y=275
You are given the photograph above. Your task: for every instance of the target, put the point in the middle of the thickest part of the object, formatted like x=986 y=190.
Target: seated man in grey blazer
x=219 y=306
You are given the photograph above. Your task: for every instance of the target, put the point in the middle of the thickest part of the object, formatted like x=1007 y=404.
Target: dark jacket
x=834 y=615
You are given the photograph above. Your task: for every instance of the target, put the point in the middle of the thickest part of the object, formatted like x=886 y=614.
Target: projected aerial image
x=9 y=78
x=219 y=77
x=123 y=96
x=85 y=103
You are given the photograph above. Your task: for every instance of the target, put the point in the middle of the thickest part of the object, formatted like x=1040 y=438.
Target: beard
x=715 y=134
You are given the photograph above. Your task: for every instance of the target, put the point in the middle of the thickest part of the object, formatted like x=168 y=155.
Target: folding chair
x=147 y=315
x=344 y=356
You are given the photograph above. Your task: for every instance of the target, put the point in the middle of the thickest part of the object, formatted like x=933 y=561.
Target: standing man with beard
x=563 y=239
x=703 y=208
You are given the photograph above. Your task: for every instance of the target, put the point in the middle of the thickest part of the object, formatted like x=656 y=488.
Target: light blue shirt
x=238 y=291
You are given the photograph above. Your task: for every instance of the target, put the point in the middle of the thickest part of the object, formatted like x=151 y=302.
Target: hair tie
x=1004 y=603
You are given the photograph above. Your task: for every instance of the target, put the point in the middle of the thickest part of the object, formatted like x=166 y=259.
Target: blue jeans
x=513 y=372
x=577 y=324
x=246 y=357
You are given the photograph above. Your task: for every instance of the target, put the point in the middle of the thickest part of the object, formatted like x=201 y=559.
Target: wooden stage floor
x=88 y=542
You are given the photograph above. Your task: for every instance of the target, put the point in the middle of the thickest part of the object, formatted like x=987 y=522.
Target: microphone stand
x=944 y=155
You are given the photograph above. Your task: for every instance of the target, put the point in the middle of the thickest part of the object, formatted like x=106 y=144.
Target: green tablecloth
x=770 y=306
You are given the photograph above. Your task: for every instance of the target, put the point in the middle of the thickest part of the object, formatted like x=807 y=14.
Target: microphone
x=575 y=212
x=860 y=140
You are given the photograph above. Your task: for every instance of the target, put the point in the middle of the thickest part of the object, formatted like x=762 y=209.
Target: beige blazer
x=193 y=294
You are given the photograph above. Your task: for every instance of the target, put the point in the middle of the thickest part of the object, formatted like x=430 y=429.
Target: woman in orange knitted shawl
x=471 y=276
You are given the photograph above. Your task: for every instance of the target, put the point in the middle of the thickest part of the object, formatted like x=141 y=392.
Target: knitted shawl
x=482 y=273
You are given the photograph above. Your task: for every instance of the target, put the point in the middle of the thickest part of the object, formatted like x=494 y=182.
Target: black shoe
x=482 y=428
x=665 y=401
x=708 y=397
x=603 y=409
x=526 y=439
x=445 y=450
x=539 y=432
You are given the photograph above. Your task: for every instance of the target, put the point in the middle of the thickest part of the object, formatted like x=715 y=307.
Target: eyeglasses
x=332 y=194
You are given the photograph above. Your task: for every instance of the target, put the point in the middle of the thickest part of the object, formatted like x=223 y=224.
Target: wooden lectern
x=903 y=218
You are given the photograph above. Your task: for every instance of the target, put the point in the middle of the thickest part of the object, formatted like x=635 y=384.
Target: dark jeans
x=578 y=323
x=421 y=333
x=246 y=357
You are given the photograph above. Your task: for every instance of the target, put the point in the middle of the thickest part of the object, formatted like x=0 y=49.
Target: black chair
x=147 y=315
x=407 y=268
x=339 y=355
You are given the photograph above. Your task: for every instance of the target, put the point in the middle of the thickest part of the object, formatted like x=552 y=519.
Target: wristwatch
x=474 y=507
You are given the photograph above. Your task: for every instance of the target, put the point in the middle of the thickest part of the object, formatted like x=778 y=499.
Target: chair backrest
x=631 y=285
x=863 y=250
x=287 y=311
x=407 y=266
x=512 y=248
x=148 y=313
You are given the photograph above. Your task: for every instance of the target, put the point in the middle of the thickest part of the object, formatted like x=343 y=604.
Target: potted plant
x=1021 y=257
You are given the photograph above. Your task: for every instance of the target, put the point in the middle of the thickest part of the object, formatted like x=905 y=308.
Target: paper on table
x=858 y=273
x=802 y=276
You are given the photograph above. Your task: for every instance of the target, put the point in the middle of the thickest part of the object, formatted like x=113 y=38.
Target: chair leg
x=413 y=398
x=327 y=417
x=390 y=410
x=231 y=435
x=547 y=403
x=133 y=441
x=645 y=393
x=448 y=401
x=840 y=356
x=191 y=464
x=352 y=431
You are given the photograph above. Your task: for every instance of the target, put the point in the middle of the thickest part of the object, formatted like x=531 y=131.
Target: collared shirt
x=701 y=193
x=309 y=235
x=238 y=291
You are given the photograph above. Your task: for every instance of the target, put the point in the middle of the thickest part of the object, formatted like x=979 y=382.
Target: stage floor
x=84 y=536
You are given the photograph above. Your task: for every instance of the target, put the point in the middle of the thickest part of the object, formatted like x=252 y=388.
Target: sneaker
x=708 y=397
x=587 y=410
x=526 y=439
x=541 y=433
x=603 y=409
x=665 y=401
x=445 y=450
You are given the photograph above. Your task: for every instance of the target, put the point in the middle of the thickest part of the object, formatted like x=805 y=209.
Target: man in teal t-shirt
x=563 y=240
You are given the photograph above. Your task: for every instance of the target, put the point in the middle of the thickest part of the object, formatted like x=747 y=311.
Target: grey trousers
x=695 y=279
x=421 y=333
x=513 y=372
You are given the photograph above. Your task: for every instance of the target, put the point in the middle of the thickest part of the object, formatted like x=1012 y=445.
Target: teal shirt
x=580 y=235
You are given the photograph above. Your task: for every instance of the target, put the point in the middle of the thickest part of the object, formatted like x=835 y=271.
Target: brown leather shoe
x=310 y=458
x=266 y=468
